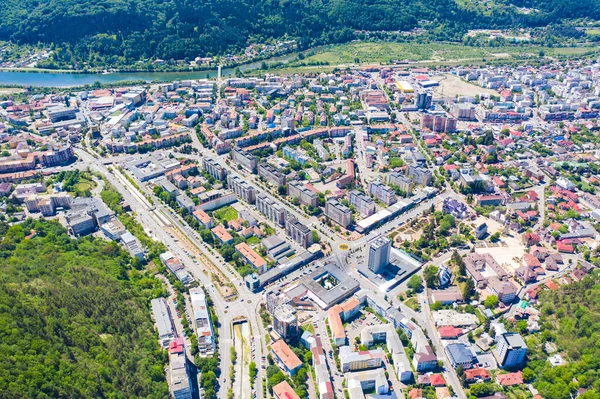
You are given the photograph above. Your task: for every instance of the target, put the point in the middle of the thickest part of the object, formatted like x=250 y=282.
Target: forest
x=74 y=318
x=571 y=322
x=117 y=32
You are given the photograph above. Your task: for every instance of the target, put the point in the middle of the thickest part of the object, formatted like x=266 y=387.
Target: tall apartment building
x=338 y=212
x=379 y=253
x=402 y=182
x=419 y=175
x=383 y=193
x=270 y=174
x=242 y=188
x=305 y=195
x=245 y=159
x=271 y=209
x=362 y=203
x=511 y=350
x=201 y=322
x=298 y=232
x=285 y=322
x=214 y=169
x=181 y=383
x=321 y=150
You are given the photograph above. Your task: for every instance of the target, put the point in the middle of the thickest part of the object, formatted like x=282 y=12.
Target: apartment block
x=383 y=193
x=362 y=203
x=304 y=194
x=214 y=169
x=271 y=209
x=402 y=182
x=298 y=232
x=270 y=174
x=338 y=212
x=242 y=188
x=245 y=159
x=419 y=175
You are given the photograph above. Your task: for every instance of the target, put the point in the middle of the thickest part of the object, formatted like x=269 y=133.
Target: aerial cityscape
x=305 y=228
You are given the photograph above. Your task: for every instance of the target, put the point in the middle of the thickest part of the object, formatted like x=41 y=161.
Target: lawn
x=413 y=303
x=396 y=162
x=253 y=240
x=226 y=213
x=309 y=327
x=83 y=185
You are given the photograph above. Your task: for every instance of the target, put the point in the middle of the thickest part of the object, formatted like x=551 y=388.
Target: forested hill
x=74 y=318
x=176 y=29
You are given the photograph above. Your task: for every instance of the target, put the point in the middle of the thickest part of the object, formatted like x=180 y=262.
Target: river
x=50 y=79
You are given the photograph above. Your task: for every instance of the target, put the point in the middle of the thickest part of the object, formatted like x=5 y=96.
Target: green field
x=226 y=213
x=83 y=185
x=253 y=240
x=425 y=53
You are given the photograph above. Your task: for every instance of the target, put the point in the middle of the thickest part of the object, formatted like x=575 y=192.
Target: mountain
x=119 y=31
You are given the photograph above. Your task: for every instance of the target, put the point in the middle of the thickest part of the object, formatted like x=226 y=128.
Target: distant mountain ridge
x=175 y=29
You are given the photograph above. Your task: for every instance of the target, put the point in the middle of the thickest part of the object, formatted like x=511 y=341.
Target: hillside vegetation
x=74 y=318
x=116 y=32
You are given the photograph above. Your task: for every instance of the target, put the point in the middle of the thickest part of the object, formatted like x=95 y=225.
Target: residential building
x=251 y=257
x=203 y=218
x=510 y=350
x=164 y=323
x=176 y=267
x=214 y=169
x=271 y=209
x=285 y=322
x=180 y=384
x=379 y=254
x=241 y=188
x=201 y=322
x=354 y=361
x=419 y=175
x=272 y=175
x=285 y=358
x=382 y=193
x=402 y=182
x=221 y=234
x=304 y=194
x=244 y=159
x=339 y=213
x=283 y=390
x=362 y=203
x=506 y=291
x=298 y=232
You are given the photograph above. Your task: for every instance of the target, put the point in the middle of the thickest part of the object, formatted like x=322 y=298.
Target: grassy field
x=226 y=213
x=253 y=240
x=425 y=53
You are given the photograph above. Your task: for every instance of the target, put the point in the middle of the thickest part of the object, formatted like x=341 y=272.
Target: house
x=450 y=332
x=437 y=380
x=510 y=379
x=506 y=291
x=481 y=231
x=563 y=247
x=283 y=390
x=476 y=375
x=530 y=239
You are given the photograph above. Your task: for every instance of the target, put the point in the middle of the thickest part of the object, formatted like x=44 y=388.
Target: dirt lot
x=451 y=86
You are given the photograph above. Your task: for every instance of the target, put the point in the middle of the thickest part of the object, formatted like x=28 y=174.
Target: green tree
x=415 y=283
x=491 y=302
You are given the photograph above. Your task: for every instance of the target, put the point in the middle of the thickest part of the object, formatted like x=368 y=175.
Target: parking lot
x=354 y=328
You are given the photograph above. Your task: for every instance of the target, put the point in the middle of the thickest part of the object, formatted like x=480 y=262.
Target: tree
x=495 y=237
x=491 y=302
x=430 y=275
x=315 y=237
x=468 y=290
x=415 y=283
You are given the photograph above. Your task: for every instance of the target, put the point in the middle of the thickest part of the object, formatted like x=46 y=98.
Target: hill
x=119 y=32
x=74 y=318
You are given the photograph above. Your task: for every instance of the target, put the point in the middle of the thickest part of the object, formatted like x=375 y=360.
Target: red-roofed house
x=477 y=374
x=565 y=248
x=449 y=332
x=510 y=379
x=283 y=390
x=530 y=239
x=437 y=380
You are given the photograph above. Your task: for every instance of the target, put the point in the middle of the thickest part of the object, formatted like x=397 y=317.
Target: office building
x=339 y=213
x=133 y=245
x=201 y=322
x=241 y=188
x=214 y=169
x=285 y=322
x=510 y=350
x=303 y=193
x=271 y=209
x=460 y=355
x=362 y=203
x=379 y=253
x=270 y=174
x=382 y=193
x=298 y=232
